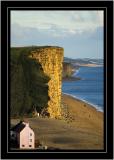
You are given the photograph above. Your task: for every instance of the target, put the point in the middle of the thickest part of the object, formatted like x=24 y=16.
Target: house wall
x=27 y=138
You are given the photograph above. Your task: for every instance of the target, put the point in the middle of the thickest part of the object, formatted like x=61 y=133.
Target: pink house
x=24 y=135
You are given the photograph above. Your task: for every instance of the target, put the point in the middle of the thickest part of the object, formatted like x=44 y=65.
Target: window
x=30 y=134
x=23 y=145
x=30 y=146
x=30 y=140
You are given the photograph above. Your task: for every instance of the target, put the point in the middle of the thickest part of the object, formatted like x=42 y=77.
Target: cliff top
x=15 y=51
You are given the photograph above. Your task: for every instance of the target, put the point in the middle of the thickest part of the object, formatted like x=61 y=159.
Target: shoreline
x=84 y=101
x=74 y=77
x=84 y=117
x=80 y=107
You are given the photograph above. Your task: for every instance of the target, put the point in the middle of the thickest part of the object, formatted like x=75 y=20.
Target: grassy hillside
x=27 y=82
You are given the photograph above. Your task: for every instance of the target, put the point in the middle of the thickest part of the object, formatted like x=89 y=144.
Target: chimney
x=26 y=124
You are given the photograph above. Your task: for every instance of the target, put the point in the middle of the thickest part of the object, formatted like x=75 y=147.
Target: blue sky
x=80 y=33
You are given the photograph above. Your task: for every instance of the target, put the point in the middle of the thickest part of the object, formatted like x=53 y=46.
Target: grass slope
x=27 y=82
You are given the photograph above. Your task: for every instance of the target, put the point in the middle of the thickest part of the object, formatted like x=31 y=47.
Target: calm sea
x=89 y=88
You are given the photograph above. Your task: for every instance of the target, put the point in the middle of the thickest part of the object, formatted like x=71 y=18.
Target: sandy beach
x=90 y=65
x=81 y=128
x=84 y=115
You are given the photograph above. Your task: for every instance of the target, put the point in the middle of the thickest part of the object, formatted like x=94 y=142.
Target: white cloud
x=59 y=23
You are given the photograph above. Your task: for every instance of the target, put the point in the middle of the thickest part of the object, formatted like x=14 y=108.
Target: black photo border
x=107 y=7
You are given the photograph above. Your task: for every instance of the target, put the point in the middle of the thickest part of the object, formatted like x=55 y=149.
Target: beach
x=83 y=115
x=81 y=129
x=90 y=65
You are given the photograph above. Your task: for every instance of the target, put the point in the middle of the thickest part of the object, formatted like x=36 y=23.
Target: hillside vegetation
x=28 y=83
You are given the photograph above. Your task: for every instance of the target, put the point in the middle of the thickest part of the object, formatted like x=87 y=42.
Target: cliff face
x=51 y=59
x=67 y=69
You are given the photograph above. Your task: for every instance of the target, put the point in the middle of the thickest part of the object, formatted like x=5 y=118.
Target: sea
x=89 y=89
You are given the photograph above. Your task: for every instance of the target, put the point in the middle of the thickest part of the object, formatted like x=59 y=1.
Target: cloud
x=59 y=23
x=82 y=45
x=79 y=32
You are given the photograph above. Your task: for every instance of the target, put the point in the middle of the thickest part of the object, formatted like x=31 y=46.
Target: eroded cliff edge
x=36 y=75
x=51 y=59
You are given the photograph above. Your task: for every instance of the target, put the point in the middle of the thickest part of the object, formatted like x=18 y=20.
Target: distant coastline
x=74 y=89
x=90 y=65
x=74 y=69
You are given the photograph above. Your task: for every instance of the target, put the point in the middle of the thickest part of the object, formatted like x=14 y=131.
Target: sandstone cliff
x=51 y=59
x=36 y=75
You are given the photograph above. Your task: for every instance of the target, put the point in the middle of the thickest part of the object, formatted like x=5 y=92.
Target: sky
x=80 y=33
